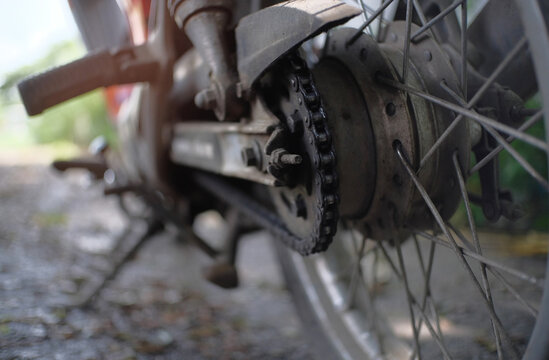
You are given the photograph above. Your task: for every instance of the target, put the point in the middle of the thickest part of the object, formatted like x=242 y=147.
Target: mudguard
x=264 y=36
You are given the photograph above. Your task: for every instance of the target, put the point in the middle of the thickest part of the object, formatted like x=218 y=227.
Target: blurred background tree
x=77 y=121
x=526 y=192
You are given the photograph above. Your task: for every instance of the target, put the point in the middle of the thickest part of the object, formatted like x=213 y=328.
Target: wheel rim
x=347 y=309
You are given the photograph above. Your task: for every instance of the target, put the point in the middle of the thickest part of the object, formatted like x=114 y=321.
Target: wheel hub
x=367 y=119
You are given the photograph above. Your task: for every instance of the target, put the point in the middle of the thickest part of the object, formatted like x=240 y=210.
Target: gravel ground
x=58 y=235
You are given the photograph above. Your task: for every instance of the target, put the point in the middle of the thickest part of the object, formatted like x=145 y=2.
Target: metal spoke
x=379 y=27
x=464 y=48
x=351 y=291
x=525 y=126
x=514 y=292
x=389 y=260
x=457 y=250
x=515 y=154
x=466 y=242
x=326 y=43
x=483 y=120
x=365 y=12
x=478 y=248
x=423 y=18
x=427 y=289
x=368 y=9
x=478 y=95
x=356 y=274
x=409 y=14
x=365 y=7
x=415 y=303
x=408 y=294
x=488 y=262
x=452 y=93
x=500 y=277
x=420 y=14
x=374 y=271
x=436 y=19
x=359 y=31
x=427 y=294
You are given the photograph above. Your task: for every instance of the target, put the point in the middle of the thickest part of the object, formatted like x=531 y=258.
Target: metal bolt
x=291 y=159
x=294 y=84
x=390 y=109
x=206 y=99
x=249 y=157
x=241 y=93
x=280 y=158
x=300 y=207
x=295 y=124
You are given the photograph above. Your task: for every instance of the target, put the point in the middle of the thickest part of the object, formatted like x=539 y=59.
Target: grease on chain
x=306 y=99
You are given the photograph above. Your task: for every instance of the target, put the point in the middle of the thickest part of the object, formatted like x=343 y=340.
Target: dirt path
x=58 y=233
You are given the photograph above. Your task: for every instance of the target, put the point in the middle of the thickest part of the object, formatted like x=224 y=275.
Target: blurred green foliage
x=526 y=191
x=79 y=120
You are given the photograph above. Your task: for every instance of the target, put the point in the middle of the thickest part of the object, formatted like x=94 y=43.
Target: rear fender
x=266 y=35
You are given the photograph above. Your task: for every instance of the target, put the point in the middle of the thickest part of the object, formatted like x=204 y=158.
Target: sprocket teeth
x=316 y=135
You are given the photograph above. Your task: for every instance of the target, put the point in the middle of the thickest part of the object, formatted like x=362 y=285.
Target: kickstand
x=223 y=272
x=89 y=294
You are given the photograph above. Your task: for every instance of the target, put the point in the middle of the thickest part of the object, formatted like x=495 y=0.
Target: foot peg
x=104 y=68
x=95 y=166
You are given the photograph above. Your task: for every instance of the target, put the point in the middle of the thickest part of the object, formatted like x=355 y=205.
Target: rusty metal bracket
x=266 y=35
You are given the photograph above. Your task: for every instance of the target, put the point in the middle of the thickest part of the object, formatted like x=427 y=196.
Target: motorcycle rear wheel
x=357 y=300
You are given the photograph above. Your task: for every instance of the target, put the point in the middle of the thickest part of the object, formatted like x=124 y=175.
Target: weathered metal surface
x=207 y=24
x=351 y=129
x=364 y=59
x=190 y=75
x=266 y=35
x=308 y=200
x=218 y=147
x=374 y=187
x=429 y=72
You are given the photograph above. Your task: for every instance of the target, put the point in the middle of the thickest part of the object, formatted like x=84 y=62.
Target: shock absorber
x=207 y=24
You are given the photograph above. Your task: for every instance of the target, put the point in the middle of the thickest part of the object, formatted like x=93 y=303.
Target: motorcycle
x=350 y=131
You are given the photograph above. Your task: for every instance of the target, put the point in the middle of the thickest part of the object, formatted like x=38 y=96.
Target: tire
x=332 y=324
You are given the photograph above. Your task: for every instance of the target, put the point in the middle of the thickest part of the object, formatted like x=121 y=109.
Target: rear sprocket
x=302 y=157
